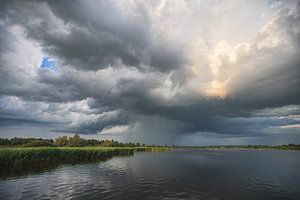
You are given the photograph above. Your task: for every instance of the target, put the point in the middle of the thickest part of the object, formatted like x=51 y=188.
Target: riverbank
x=16 y=161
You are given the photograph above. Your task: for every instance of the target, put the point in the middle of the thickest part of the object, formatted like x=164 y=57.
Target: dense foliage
x=64 y=141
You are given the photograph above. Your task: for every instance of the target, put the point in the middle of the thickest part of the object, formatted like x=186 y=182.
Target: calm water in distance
x=183 y=174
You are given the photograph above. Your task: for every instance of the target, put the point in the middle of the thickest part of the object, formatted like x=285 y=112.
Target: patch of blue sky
x=48 y=63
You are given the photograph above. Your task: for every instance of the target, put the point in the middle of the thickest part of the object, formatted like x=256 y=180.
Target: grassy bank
x=24 y=160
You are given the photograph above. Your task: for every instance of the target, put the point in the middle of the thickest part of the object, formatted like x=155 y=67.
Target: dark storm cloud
x=97 y=34
x=117 y=65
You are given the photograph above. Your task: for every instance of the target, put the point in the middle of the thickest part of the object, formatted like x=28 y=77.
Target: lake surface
x=182 y=174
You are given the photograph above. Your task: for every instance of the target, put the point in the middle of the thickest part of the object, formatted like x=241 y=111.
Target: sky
x=158 y=72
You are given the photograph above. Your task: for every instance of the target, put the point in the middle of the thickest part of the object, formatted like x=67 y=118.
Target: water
x=194 y=174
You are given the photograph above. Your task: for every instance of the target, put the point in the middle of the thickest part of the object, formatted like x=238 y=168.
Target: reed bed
x=23 y=160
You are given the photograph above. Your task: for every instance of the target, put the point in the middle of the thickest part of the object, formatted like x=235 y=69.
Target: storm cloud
x=177 y=72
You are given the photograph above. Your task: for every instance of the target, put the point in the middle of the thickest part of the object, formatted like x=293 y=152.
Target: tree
x=62 y=141
x=76 y=141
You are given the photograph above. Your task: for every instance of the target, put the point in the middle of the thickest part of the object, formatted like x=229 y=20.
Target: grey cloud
x=88 y=39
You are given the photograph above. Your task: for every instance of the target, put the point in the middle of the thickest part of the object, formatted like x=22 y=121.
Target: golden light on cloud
x=291 y=126
x=217 y=89
x=213 y=67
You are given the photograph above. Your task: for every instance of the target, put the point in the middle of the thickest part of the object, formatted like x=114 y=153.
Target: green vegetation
x=20 y=156
x=64 y=141
x=10 y=156
x=25 y=155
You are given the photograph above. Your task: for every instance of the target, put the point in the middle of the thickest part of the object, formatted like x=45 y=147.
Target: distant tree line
x=284 y=146
x=77 y=141
x=64 y=141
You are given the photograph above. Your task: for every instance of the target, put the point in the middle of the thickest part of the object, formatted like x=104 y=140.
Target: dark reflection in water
x=202 y=174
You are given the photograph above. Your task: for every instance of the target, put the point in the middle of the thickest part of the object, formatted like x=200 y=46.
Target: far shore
x=245 y=147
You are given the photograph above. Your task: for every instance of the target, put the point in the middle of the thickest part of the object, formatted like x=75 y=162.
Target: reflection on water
x=202 y=174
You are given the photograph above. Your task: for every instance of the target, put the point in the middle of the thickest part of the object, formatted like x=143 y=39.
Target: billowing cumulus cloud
x=183 y=72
